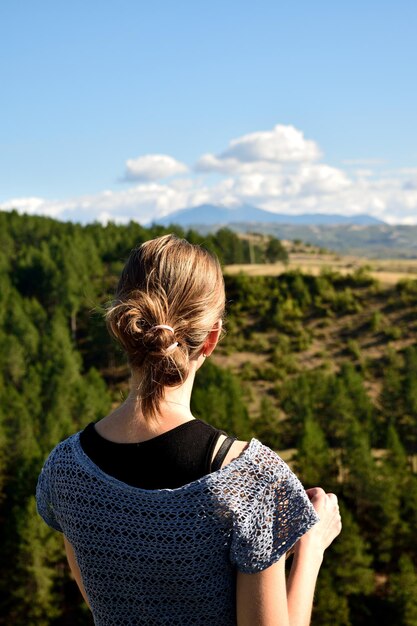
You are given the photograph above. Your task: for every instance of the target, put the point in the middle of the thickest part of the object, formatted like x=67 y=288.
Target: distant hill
x=379 y=241
x=210 y=214
x=360 y=235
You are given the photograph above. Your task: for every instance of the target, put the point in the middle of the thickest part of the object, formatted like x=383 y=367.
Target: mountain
x=209 y=214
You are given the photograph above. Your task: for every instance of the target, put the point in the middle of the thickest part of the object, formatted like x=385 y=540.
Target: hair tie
x=172 y=347
x=163 y=326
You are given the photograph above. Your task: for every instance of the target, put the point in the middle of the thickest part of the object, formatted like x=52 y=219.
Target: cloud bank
x=278 y=170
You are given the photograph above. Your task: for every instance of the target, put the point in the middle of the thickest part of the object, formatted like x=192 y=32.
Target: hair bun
x=134 y=323
x=159 y=341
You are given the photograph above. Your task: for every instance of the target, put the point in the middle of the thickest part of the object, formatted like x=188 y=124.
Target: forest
x=323 y=369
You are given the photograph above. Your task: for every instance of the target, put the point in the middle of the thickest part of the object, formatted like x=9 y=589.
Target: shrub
x=377 y=321
x=353 y=349
x=393 y=332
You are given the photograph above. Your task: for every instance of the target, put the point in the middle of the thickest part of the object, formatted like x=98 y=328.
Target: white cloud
x=141 y=203
x=153 y=167
x=32 y=206
x=211 y=163
x=282 y=144
x=277 y=170
x=317 y=179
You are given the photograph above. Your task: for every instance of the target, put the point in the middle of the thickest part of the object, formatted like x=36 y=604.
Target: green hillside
x=321 y=368
x=380 y=241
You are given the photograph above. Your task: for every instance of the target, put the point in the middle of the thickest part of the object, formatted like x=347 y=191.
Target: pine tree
x=407 y=423
x=362 y=406
x=361 y=490
x=218 y=398
x=301 y=396
x=275 y=251
x=313 y=460
x=329 y=607
x=61 y=374
x=351 y=548
x=267 y=426
x=3 y=458
x=391 y=397
x=409 y=515
x=339 y=414
x=39 y=558
x=394 y=473
x=403 y=585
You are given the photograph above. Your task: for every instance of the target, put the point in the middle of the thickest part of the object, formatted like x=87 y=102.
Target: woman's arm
x=265 y=599
x=302 y=582
x=72 y=561
x=261 y=598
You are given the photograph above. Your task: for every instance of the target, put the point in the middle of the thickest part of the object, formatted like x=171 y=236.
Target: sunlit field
x=388 y=271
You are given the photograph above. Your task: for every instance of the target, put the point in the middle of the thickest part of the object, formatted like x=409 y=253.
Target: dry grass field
x=387 y=271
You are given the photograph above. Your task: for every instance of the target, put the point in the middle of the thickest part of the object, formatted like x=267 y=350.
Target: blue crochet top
x=169 y=556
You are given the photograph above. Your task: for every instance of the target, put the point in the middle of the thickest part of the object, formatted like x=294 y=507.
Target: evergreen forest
x=323 y=369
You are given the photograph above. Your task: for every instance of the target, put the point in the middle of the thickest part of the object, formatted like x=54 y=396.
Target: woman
x=167 y=520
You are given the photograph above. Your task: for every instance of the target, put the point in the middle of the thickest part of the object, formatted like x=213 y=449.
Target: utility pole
x=251 y=253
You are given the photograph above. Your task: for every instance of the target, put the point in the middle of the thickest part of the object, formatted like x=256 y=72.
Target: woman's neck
x=127 y=424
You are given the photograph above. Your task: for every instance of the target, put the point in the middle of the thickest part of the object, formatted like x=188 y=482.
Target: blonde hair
x=166 y=281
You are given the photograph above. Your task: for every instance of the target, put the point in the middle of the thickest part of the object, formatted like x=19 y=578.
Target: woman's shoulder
x=235 y=451
x=262 y=466
x=257 y=460
x=269 y=463
x=63 y=450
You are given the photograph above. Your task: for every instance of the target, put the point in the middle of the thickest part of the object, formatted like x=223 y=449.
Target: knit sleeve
x=278 y=515
x=44 y=495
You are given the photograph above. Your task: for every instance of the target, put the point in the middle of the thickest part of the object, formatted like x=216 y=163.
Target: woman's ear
x=212 y=338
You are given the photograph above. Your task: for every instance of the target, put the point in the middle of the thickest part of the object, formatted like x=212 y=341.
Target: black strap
x=221 y=453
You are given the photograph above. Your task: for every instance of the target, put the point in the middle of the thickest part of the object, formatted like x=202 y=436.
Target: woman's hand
x=321 y=535
x=308 y=556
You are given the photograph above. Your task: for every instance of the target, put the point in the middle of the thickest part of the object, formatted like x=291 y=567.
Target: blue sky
x=88 y=86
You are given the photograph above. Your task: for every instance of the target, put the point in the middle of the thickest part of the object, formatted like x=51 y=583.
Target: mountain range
x=210 y=215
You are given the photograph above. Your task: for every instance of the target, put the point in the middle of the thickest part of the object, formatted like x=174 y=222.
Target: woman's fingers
x=313 y=491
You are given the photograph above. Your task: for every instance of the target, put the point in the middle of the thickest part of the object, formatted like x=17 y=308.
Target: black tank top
x=173 y=459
